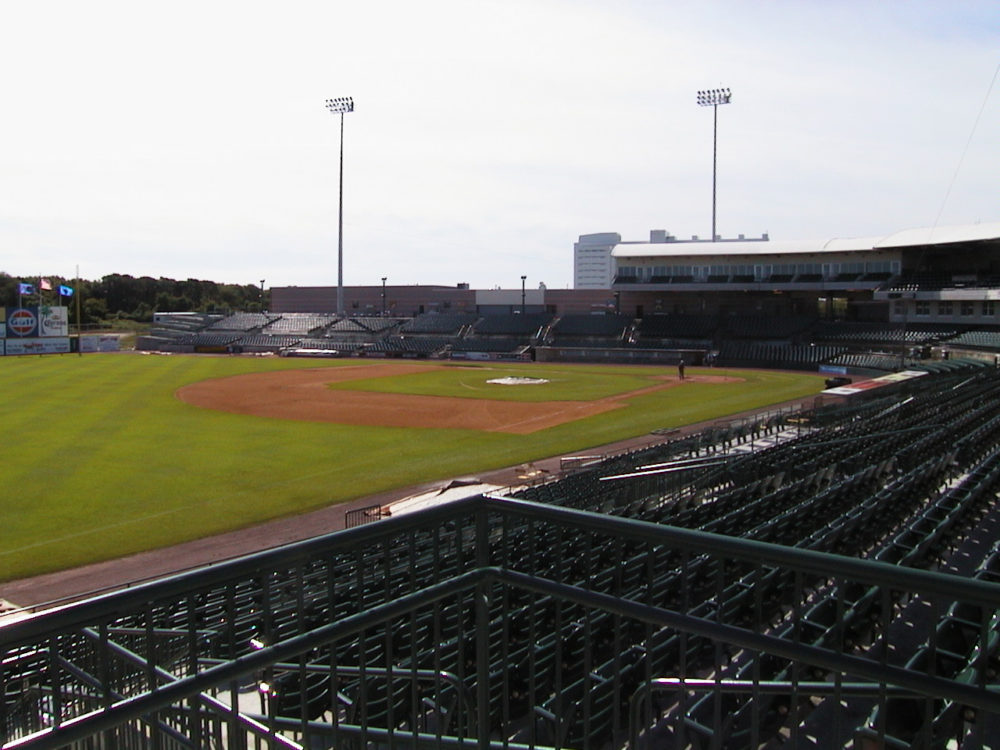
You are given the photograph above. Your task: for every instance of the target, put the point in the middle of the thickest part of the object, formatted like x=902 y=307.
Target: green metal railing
x=500 y=622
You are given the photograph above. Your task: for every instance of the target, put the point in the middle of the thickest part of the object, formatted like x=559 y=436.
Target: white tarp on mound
x=447 y=494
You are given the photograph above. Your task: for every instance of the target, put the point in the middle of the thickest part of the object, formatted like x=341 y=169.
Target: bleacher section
x=528 y=325
x=798 y=342
x=883 y=362
x=590 y=331
x=781 y=356
x=880 y=333
x=422 y=346
x=332 y=344
x=243 y=322
x=491 y=344
x=299 y=323
x=592 y=326
x=810 y=580
x=766 y=326
x=678 y=326
x=439 y=324
x=987 y=340
x=265 y=342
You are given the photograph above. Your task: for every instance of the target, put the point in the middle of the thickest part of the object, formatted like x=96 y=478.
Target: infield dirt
x=304 y=395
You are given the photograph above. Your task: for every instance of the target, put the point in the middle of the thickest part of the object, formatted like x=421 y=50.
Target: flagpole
x=78 y=291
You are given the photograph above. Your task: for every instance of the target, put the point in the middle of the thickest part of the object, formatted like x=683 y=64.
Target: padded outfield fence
x=796 y=594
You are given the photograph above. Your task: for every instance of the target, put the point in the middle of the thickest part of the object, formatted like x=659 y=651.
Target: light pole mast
x=713 y=98
x=341 y=106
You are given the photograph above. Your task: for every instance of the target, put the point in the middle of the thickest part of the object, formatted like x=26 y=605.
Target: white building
x=592 y=264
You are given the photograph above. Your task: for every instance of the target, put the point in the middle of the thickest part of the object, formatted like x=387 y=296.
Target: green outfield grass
x=101 y=459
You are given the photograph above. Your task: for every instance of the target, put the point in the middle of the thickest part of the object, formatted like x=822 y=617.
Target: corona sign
x=22 y=322
x=53 y=321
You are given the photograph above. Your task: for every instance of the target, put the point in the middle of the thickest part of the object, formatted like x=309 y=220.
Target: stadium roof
x=942 y=235
x=919 y=237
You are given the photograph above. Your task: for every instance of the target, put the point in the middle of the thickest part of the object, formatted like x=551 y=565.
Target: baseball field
x=106 y=455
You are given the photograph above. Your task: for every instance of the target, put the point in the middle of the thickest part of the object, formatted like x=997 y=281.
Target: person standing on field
x=680 y=369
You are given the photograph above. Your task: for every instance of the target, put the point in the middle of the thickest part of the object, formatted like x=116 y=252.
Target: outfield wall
x=34 y=330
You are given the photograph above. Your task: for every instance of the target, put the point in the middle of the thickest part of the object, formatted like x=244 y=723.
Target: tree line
x=123 y=297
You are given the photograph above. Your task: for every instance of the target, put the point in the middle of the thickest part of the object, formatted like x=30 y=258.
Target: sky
x=190 y=139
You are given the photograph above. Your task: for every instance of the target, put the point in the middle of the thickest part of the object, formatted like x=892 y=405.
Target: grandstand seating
x=299 y=323
x=677 y=326
x=209 y=339
x=873 y=333
x=243 y=322
x=988 y=340
x=439 y=324
x=529 y=324
x=378 y=324
x=795 y=356
x=494 y=344
x=261 y=342
x=606 y=326
x=422 y=346
x=832 y=573
x=767 y=326
x=333 y=344
x=883 y=362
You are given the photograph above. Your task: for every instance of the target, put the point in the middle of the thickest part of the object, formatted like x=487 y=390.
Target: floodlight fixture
x=340 y=106
x=713 y=98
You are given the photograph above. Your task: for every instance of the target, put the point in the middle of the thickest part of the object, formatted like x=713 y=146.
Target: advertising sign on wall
x=22 y=322
x=102 y=343
x=53 y=321
x=49 y=345
x=30 y=323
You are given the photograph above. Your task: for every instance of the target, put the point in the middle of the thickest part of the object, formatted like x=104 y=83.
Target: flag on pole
x=65 y=291
x=45 y=285
x=25 y=289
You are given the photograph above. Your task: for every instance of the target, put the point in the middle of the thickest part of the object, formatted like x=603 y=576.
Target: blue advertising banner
x=22 y=322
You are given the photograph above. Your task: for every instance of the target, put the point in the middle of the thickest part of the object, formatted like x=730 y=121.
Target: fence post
x=482 y=629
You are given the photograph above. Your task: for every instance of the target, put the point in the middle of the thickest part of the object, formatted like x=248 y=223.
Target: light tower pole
x=713 y=98
x=523 y=279
x=342 y=105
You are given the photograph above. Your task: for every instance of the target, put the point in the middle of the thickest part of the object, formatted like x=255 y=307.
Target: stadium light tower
x=713 y=98
x=341 y=105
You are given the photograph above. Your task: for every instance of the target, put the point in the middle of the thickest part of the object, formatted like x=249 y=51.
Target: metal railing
x=501 y=622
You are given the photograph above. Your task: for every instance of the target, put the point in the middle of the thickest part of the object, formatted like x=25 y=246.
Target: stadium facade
x=844 y=307
x=942 y=275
